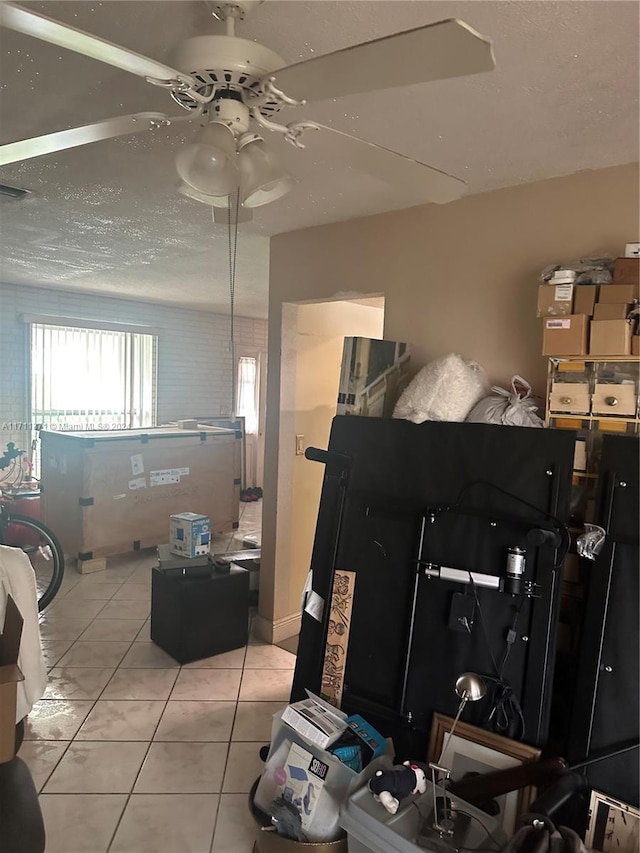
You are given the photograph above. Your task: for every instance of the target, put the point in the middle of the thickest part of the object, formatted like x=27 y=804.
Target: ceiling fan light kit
x=230 y=83
x=208 y=163
x=263 y=180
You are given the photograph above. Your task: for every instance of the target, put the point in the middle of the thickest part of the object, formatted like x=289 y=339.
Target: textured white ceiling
x=106 y=217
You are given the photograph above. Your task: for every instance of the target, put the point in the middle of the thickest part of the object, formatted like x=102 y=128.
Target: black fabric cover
x=606 y=712
x=399 y=472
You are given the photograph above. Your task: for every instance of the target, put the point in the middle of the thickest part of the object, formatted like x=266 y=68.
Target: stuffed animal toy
x=390 y=786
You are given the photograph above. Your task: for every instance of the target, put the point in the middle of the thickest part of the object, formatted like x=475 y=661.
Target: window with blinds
x=90 y=378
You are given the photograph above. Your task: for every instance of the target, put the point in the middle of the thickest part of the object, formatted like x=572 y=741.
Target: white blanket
x=18 y=580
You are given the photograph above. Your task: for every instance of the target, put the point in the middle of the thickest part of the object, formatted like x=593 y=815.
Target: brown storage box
x=635 y=345
x=106 y=493
x=618 y=292
x=565 y=335
x=555 y=300
x=610 y=337
x=611 y=311
x=10 y=675
x=584 y=298
x=627 y=271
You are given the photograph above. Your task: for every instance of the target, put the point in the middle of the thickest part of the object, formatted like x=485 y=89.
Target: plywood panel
x=107 y=494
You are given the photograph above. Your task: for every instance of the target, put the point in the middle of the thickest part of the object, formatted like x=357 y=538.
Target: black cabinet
x=197 y=613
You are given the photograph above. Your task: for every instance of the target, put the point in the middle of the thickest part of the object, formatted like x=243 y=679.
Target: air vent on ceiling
x=8 y=193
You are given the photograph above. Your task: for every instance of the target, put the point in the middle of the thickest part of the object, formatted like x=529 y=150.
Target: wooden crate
x=107 y=493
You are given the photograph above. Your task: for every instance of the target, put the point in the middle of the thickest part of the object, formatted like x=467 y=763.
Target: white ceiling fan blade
x=417 y=182
x=39 y=145
x=445 y=49
x=46 y=29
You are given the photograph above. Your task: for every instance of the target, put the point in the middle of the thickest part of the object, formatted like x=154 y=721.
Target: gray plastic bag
x=509 y=408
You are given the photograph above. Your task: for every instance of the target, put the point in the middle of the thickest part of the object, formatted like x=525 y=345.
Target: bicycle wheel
x=44 y=552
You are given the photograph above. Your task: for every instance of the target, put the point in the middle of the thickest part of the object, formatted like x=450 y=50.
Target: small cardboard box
x=565 y=335
x=610 y=337
x=585 y=297
x=611 y=311
x=10 y=675
x=189 y=534
x=627 y=271
x=555 y=300
x=635 y=345
x=316 y=720
x=618 y=293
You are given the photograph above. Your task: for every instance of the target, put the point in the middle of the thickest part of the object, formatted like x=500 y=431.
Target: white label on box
x=118 y=497
x=163 y=478
x=183 y=472
x=139 y=483
x=563 y=323
x=564 y=293
x=137 y=464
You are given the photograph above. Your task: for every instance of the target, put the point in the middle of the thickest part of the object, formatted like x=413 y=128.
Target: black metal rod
x=605 y=756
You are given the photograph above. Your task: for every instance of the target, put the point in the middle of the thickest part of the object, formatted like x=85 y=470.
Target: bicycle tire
x=48 y=583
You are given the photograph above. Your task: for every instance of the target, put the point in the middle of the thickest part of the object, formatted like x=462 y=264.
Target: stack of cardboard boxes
x=592 y=319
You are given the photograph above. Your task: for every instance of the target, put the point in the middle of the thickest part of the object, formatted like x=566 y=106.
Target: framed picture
x=613 y=826
x=471 y=750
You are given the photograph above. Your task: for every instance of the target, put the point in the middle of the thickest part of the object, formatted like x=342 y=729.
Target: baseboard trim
x=281 y=629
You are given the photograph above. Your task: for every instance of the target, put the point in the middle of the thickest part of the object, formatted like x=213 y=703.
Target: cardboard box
x=610 y=337
x=635 y=345
x=316 y=720
x=10 y=676
x=627 y=271
x=585 y=297
x=189 y=534
x=611 y=311
x=618 y=293
x=565 y=335
x=555 y=300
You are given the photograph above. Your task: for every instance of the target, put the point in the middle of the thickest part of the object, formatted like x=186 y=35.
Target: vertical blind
x=91 y=378
x=247 y=404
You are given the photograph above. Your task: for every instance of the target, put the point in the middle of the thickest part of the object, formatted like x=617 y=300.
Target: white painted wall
x=194 y=362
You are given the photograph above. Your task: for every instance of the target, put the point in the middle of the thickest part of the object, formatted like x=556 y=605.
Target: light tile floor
x=131 y=752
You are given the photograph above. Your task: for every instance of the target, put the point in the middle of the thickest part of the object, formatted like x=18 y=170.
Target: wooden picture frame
x=472 y=749
x=613 y=825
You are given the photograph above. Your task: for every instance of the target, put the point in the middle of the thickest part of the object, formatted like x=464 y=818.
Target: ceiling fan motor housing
x=236 y=63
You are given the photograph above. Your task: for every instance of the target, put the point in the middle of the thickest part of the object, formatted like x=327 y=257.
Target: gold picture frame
x=472 y=749
x=613 y=825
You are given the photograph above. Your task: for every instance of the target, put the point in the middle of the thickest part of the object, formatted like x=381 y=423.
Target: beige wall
x=311 y=355
x=459 y=278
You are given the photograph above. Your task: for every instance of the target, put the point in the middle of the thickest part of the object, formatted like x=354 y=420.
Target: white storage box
x=190 y=534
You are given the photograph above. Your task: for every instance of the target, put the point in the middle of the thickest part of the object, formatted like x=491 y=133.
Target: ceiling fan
x=235 y=88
